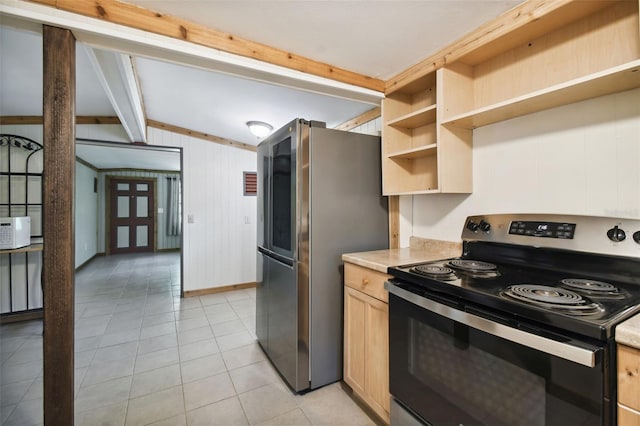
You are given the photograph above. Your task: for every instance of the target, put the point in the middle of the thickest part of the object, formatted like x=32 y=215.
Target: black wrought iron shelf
x=26 y=149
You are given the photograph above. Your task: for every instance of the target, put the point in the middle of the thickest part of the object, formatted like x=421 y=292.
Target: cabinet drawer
x=629 y=377
x=366 y=280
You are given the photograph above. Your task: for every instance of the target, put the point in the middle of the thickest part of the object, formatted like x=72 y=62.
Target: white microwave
x=15 y=232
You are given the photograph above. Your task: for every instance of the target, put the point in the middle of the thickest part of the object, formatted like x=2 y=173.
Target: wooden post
x=394 y=221
x=59 y=94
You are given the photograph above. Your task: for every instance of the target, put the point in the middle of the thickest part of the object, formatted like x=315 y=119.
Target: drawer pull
x=365 y=281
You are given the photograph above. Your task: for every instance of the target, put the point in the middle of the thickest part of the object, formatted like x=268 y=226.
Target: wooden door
x=132 y=218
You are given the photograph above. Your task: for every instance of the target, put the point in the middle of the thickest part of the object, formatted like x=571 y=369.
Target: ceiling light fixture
x=259 y=128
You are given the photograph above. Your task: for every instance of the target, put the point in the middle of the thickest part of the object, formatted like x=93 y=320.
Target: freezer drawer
x=277 y=315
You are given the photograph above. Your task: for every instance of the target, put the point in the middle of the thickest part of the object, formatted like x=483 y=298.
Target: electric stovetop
x=564 y=299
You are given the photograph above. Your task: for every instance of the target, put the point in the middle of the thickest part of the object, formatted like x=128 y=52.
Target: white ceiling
x=374 y=38
x=21 y=77
x=378 y=38
x=221 y=104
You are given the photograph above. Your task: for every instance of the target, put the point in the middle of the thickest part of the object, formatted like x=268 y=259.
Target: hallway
x=144 y=356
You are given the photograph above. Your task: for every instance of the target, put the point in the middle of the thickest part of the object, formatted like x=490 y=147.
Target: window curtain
x=174 y=206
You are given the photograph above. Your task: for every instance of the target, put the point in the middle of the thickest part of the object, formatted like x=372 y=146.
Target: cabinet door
x=377 y=352
x=627 y=417
x=629 y=377
x=366 y=349
x=355 y=306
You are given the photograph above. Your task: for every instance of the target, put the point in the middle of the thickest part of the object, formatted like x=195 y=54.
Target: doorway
x=124 y=200
x=132 y=220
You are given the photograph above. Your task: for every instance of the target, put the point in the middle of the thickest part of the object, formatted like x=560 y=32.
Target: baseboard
x=221 y=289
x=86 y=262
x=167 y=250
x=7 y=318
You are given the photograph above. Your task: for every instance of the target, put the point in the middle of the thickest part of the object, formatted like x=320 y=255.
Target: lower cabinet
x=627 y=417
x=628 y=386
x=366 y=339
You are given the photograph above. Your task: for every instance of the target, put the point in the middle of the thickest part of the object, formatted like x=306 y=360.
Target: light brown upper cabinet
x=419 y=155
x=576 y=52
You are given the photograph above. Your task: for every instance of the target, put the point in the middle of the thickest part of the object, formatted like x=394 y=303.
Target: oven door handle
x=581 y=355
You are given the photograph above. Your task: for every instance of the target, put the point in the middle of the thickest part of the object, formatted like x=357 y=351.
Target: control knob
x=636 y=237
x=616 y=234
x=472 y=226
x=484 y=226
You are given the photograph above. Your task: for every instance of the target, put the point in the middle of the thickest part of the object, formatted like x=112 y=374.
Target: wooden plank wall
x=220 y=245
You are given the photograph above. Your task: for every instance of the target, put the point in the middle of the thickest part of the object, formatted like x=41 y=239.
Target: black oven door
x=451 y=365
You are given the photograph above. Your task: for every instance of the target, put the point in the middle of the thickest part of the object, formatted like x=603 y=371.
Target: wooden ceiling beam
x=147 y=20
x=37 y=119
x=200 y=135
x=365 y=117
x=116 y=75
x=87 y=119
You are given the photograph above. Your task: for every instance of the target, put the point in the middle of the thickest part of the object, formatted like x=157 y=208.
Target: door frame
x=107 y=204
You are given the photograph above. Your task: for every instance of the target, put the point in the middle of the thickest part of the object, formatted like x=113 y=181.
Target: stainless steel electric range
x=520 y=329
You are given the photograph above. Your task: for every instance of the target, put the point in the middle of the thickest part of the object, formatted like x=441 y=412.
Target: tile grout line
x=133 y=373
x=237 y=395
x=175 y=323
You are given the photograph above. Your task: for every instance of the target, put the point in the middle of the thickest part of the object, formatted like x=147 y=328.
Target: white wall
x=86 y=215
x=31 y=131
x=582 y=158
x=102 y=132
x=220 y=245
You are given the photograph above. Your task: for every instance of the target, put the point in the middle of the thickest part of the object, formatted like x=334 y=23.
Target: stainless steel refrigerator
x=319 y=195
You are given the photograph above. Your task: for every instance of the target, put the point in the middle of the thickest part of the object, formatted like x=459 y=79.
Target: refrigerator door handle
x=277 y=257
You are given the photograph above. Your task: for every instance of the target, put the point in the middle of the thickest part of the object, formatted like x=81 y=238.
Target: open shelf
x=420 y=84
x=416 y=192
x=562 y=16
x=416 y=118
x=612 y=80
x=421 y=151
x=542 y=56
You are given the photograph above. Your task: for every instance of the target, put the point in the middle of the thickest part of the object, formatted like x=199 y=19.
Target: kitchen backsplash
x=444 y=249
x=577 y=159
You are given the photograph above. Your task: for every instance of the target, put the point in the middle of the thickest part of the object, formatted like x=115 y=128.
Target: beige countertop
x=421 y=250
x=628 y=332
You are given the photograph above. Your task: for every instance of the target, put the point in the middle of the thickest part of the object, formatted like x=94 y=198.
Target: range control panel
x=543 y=229
x=592 y=234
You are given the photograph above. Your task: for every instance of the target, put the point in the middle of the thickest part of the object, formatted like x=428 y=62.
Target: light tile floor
x=143 y=356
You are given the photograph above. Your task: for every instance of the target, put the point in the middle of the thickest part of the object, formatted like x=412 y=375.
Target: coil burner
x=435 y=272
x=475 y=268
x=553 y=298
x=595 y=289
